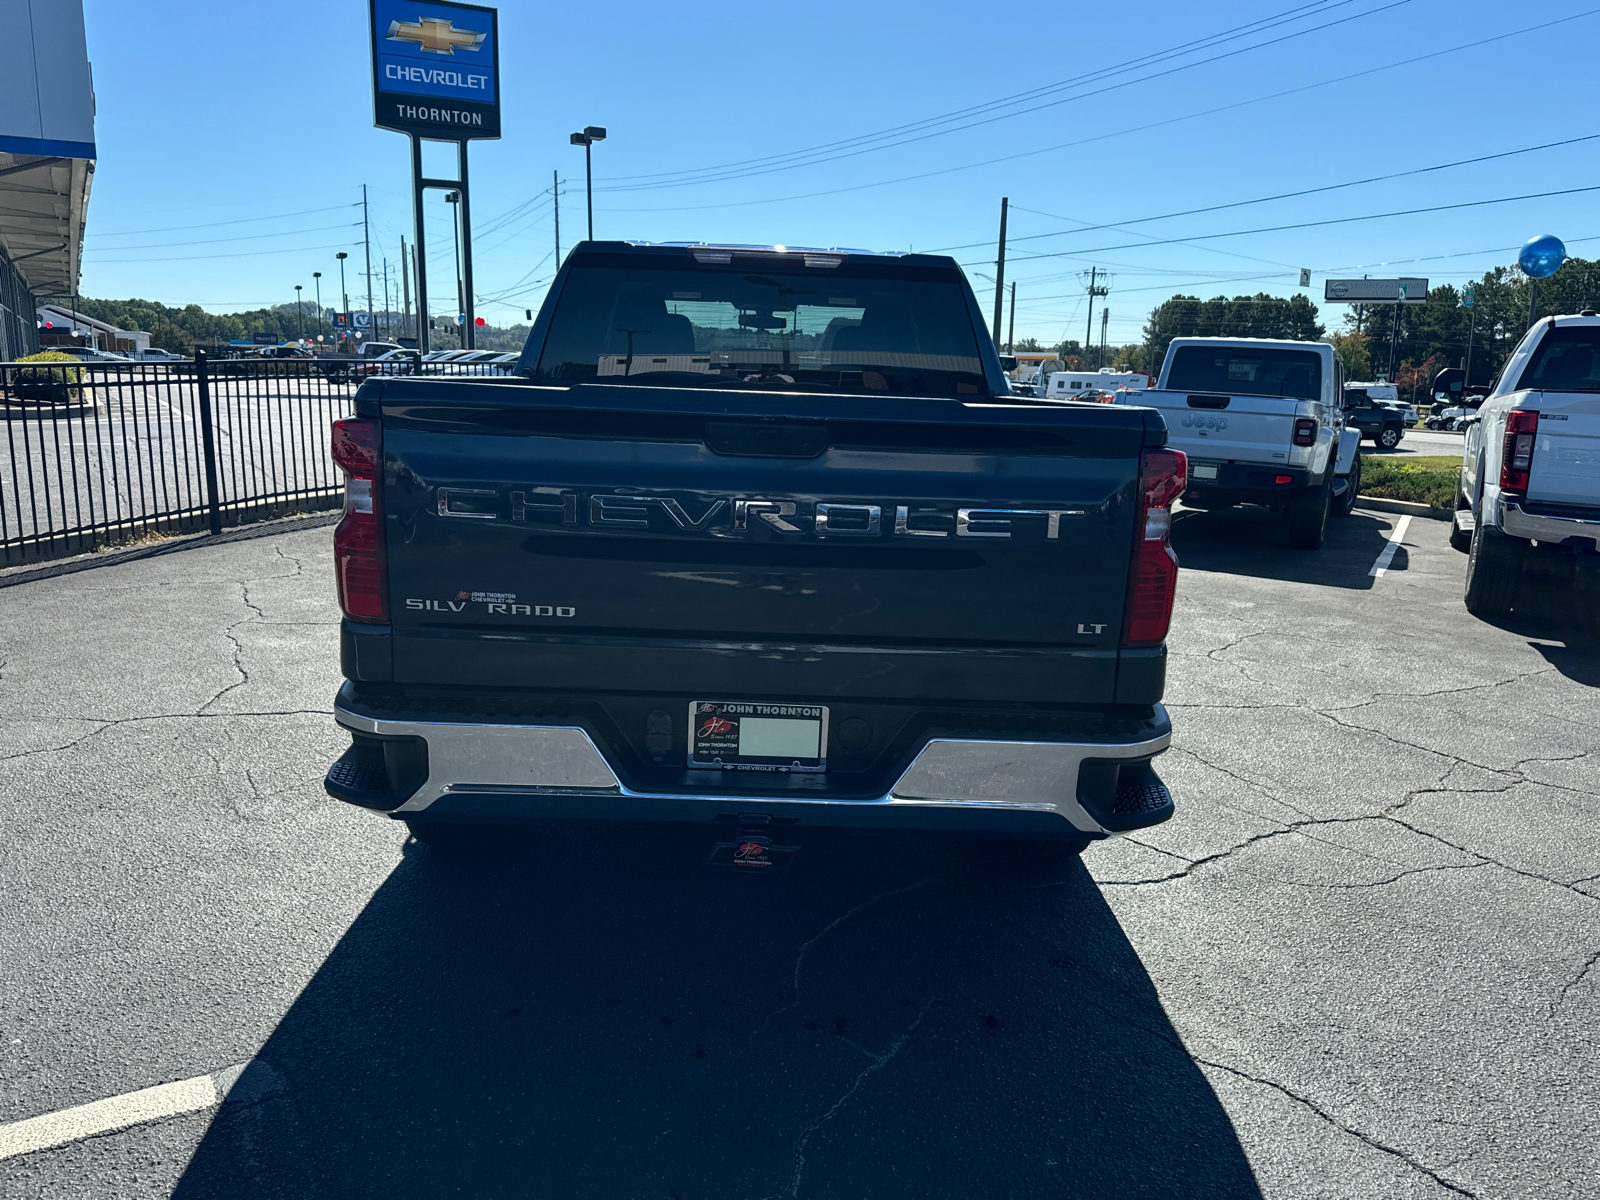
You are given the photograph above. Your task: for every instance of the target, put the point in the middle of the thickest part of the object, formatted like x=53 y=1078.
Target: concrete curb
x=1378 y=504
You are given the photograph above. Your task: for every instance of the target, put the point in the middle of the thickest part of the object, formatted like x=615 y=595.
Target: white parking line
x=1387 y=556
x=121 y=1112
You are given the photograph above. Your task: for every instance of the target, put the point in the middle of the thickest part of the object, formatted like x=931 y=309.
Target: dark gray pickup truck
x=756 y=537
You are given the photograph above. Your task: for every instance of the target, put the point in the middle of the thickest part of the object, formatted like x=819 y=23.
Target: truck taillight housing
x=1516 y=458
x=1153 y=576
x=358 y=558
x=1305 y=432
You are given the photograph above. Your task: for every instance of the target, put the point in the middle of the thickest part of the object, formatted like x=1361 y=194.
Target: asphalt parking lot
x=1363 y=960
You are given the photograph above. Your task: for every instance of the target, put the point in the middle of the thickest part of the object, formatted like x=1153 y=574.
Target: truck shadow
x=1253 y=541
x=594 y=1013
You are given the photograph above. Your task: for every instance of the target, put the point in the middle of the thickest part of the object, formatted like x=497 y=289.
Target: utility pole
x=1105 y=319
x=1000 y=269
x=405 y=288
x=1011 y=328
x=1094 y=290
x=366 y=236
x=1394 y=338
x=1472 y=331
x=555 y=191
x=388 y=319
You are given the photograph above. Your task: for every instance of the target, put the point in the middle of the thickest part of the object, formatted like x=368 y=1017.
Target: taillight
x=1516 y=457
x=1153 y=577
x=1305 y=432
x=358 y=541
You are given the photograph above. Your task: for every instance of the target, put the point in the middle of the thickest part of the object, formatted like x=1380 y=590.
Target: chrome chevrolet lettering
x=724 y=516
x=772 y=512
x=968 y=520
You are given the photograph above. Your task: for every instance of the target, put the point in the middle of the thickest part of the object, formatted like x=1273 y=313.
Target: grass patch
x=1421 y=479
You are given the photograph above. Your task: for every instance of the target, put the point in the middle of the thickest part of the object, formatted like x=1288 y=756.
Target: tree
x=167 y=336
x=1414 y=378
x=1028 y=346
x=1441 y=327
x=1352 y=351
x=1286 y=318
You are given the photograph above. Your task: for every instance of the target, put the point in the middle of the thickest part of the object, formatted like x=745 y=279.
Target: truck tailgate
x=607 y=536
x=1566 y=455
x=1255 y=429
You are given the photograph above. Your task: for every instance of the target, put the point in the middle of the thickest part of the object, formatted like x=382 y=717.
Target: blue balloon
x=1542 y=256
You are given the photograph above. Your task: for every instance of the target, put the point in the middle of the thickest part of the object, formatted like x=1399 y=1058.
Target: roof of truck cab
x=640 y=247
x=1260 y=343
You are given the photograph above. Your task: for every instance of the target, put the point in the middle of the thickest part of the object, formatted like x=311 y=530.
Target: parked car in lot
x=1261 y=423
x=91 y=355
x=1530 y=465
x=749 y=588
x=152 y=354
x=1374 y=418
x=1446 y=419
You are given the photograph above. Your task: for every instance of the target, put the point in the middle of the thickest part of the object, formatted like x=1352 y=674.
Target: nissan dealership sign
x=1375 y=291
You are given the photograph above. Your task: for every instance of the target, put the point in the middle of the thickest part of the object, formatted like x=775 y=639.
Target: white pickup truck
x=1530 y=465
x=1262 y=423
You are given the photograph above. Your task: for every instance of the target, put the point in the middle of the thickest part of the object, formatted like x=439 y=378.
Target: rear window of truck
x=1567 y=360
x=680 y=322
x=1296 y=373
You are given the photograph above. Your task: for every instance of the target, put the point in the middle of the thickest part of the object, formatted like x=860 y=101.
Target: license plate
x=1203 y=470
x=730 y=735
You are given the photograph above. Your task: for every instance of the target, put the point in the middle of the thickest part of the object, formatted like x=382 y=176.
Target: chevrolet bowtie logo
x=435 y=35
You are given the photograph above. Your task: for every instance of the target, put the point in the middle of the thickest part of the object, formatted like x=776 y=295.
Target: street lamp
x=299 y=316
x=590 y=135
x=317 y=275
x=344 y=294
x=455 y=229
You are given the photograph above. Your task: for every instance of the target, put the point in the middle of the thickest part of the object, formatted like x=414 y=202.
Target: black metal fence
x=101 y=453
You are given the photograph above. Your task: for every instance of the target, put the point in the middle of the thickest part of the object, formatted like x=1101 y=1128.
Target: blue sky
x=234 y=141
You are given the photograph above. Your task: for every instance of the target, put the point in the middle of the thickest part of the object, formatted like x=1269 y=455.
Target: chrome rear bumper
x=514 y=767
x=1517 y=523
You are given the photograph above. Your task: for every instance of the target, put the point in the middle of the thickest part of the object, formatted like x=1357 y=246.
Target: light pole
x=299 y=316
x=455 y=228
x=590 y=135
x=344 y=294
x=317 y=275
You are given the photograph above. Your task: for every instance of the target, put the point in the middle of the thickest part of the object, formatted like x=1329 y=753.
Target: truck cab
x=1530 y=465
x=1262 y=422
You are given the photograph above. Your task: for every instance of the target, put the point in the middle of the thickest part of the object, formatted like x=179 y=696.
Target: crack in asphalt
x=805 y=948
x=1344 y=1127
x=1386 y=814
x=1476 y=687
x=1574 y=982
x=102 y=726
x=879 y=1061
x=876 y=1061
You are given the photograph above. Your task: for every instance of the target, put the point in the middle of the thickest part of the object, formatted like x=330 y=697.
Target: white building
x=59 y=325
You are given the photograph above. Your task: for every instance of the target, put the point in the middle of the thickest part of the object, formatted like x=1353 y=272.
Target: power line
x=239 y=254
x=214 y=224
x=815 y=156
x=1014 y=98
x=1330 y=187
x=1122 y=133
x=1404 y=212
x=244 y=237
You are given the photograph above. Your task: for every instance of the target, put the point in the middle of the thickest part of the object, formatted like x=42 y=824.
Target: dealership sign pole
x=436 y=77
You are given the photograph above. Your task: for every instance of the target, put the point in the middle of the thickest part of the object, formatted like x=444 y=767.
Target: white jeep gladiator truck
x=1530 y=465
x=1262 y=423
